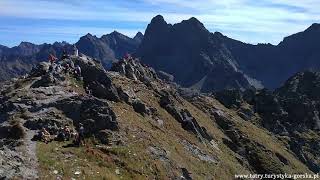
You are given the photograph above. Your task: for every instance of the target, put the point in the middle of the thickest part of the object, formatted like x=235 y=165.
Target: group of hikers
x=63 y=134
x=65 y=64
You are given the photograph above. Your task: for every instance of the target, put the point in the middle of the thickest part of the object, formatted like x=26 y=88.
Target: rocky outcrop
x=140 y=107
x=184 y=117
x=133 y=69
x=96 y=79
x=292 y=108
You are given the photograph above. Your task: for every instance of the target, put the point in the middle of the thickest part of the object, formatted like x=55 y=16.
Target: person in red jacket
x=52 y=58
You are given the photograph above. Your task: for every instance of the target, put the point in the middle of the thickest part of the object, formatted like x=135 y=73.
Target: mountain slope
x=136 y=125
x=291 y=112
x=190 y=52
x=273 y=65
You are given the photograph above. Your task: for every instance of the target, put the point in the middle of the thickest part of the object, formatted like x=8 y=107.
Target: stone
x=140 y=107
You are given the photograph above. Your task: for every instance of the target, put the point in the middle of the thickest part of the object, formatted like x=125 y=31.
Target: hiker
x=45 y=135
x=67 y=132
x=66 y=68
x=61 y=135
x=78 y=71
x=52 y=59
x=81 y=135
x=88 y=90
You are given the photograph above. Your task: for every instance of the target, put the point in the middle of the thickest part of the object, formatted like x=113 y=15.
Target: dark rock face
x=230 y=98
x=295 y=53
x=292 y=110
x=141 y=107
x=224 y=63
x=192 y=54
x=184 y=117
x=96 y=79
x=96 y=115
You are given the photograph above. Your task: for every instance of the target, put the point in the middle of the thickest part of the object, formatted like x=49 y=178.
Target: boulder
x=97 y=115
x=40 y=70
x=140 y=107
x=45 y=81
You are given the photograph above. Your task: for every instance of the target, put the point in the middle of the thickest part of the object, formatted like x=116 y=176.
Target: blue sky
x=252 y=21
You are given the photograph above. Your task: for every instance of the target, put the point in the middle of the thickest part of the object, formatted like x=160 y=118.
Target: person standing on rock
x=81 y=135
x=52 y=59
x=45 y=135
x=67 y=132
x=78 y=71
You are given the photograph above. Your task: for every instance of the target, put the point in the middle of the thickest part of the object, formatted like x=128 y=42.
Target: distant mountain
x=20 y=59
x=200 y=59
x=138 y=37
x=194 y=56
x=109 y=47
x=273 y=65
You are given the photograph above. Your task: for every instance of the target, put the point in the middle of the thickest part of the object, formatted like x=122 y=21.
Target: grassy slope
x=134 y=159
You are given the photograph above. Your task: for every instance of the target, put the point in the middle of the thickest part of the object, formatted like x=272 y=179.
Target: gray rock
x=141 y=107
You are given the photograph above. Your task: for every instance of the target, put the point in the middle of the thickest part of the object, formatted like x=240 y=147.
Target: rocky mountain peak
x=193 y=22
x=26 y=44
x=315 y=27
x=138 y=37
x=302 y=84
x=159 y=19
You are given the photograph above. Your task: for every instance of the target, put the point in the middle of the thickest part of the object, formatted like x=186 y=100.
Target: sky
x=251 y=21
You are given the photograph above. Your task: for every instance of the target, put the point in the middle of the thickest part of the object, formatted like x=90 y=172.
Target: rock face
x=184 y=117
x=219 y=62
x=192 y=54
x=292 y=111
x=295 y=53
x=96 y=79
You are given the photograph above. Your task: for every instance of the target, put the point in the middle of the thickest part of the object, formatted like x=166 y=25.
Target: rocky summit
x=138 y=125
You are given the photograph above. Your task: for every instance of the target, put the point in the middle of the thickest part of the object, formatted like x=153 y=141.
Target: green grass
x=66 y=161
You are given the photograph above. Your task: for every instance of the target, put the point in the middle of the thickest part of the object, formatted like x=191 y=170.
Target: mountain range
x=20 y=59
x=195 y=57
